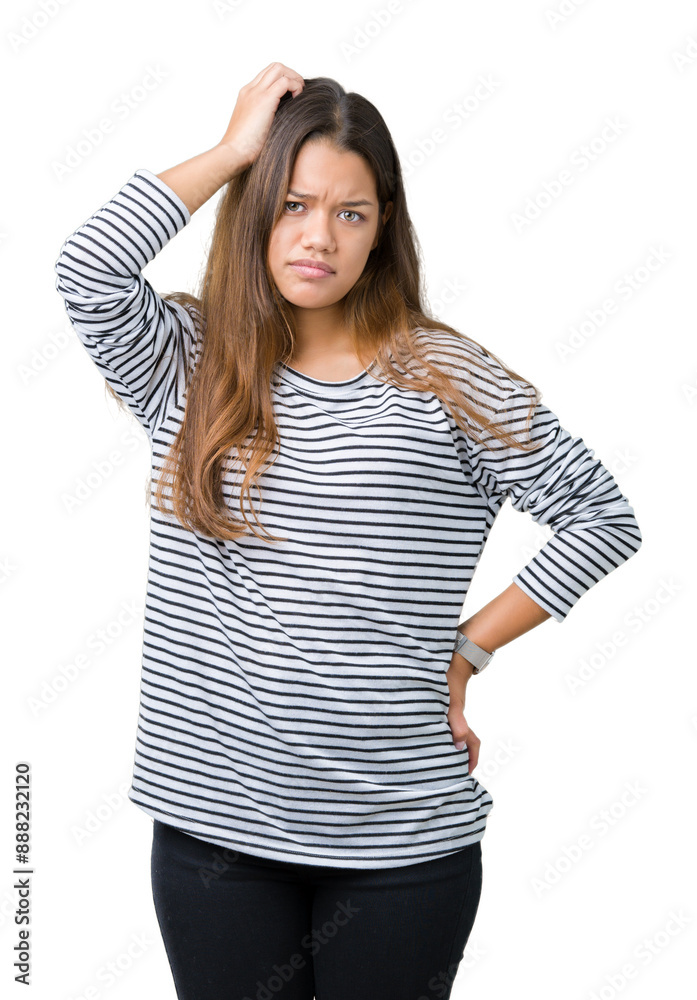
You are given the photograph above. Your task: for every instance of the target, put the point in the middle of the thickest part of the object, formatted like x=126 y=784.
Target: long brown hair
x=229 y=418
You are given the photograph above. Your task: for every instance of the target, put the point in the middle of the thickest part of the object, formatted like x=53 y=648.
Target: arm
x=562 y=484
x=142 y=344
x=196 y=180
x=500 y=621
x=559 y=483
x=507 y=617
x=145 y=345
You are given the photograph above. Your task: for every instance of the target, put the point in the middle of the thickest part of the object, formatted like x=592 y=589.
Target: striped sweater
x=293 y=696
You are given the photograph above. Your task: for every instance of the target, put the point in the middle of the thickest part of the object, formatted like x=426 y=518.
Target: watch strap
x=474 y=654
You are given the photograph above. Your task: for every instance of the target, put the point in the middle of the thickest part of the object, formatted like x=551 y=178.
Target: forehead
x=322 y=170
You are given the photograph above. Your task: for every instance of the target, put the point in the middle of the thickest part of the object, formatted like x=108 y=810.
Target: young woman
x=327 y=463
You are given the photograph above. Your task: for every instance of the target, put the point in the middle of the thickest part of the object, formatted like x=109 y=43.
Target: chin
x=309 y=301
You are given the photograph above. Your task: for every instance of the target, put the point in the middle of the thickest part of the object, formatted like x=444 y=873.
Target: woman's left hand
x=458 y=674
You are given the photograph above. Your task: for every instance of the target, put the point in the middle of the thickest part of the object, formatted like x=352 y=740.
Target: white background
x=553 y=923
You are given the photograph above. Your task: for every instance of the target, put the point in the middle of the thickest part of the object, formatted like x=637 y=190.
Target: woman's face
x=330 y=215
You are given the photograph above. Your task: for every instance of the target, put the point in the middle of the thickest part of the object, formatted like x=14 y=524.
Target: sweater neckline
x=315 y=386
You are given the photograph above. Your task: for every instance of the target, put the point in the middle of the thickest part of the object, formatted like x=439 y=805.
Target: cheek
x=275 y=254
x=360 y=259
x=277 y=237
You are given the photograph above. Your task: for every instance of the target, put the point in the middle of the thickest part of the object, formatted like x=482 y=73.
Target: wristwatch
x=478 y=657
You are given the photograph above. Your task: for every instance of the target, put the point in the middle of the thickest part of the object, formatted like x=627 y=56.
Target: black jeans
x=240 y=927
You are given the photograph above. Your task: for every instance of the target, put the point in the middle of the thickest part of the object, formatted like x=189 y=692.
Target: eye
x=349 y=210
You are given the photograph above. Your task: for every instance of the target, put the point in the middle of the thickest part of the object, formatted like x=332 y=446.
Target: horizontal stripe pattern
x=294 y=698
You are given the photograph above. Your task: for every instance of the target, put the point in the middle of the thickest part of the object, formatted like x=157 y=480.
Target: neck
x=320 y=333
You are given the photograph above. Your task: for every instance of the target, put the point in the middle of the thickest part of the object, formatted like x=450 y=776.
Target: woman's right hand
x=256 y=105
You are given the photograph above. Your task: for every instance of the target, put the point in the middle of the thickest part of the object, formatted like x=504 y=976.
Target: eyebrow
x=313 y=197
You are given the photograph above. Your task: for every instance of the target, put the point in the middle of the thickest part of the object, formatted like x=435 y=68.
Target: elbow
x=633 y=530
x=60 y=258
x=637 y=538
x=630 y=536
x=64 y=279
x=622 y=521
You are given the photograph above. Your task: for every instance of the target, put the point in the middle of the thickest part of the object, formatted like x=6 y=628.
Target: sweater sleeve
x=141 y=343
x=560 y=483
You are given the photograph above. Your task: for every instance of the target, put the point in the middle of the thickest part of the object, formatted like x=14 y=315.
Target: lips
x=315 y=264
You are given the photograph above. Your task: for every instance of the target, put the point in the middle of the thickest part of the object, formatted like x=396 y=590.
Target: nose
x=317 y=233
